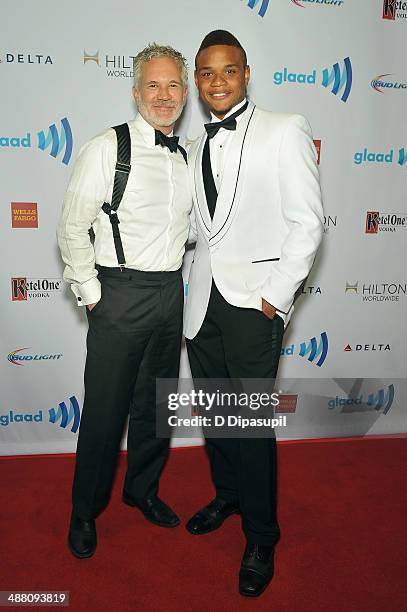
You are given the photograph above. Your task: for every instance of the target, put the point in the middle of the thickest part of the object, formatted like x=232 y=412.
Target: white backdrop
x=65 y=71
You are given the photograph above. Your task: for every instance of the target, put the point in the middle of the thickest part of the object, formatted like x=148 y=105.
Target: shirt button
x=79 y=299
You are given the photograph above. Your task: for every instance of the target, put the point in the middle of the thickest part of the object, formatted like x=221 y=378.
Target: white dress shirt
x=153 y=214
x=218 y=145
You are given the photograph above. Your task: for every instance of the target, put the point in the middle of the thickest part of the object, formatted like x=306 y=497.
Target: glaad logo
x=58 y=141
x=313 y=349
x=378 y=292
x=23 y=288
x=61 y=415
x=261 y=4
x=382 y=157
x=390 y=8
x=341 y=80
x=301 y=3
x=17 y=359
x=19 y=417
x=389 y=222
x=379 y=83
x=382 y=399
x=65 y=416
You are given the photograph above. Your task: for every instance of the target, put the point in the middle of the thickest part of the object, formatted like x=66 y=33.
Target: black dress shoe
x=82 y=537
x=211 y=517
x=155 y=511
x=256 y=570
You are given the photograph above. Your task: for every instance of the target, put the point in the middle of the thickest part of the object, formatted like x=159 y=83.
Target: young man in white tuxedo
x=258 y=222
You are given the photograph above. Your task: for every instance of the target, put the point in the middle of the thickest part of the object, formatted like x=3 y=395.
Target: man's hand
x=268 y=309
x=91 y=306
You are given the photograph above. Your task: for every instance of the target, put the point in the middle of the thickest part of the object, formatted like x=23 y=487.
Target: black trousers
x=241 y=343
x=134 y=337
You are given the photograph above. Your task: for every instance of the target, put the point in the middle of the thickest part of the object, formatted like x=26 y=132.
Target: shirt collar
x=146 y=130
x=215 y=119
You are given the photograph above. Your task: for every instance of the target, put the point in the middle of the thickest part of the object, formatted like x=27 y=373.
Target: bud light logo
x=260 y=5
x=18 y=359
x=338 y=79
x=57 y=142
x=65 y=416
x=304 y=3
x=315 y=350
x=381 y=84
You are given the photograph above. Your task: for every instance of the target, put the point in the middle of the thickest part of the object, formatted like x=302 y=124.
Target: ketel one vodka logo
x=24 y=289
x=384 y=222
x=394 y=9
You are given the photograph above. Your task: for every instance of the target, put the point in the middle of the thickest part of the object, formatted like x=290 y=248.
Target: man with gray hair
x=129 y=281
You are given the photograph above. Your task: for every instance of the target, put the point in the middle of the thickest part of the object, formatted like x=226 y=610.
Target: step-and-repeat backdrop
x=66 y=74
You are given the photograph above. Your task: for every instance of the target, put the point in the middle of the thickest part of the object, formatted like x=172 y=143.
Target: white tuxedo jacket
x=268 y=221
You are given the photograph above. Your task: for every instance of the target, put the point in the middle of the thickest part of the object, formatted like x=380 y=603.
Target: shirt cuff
x=88 y=292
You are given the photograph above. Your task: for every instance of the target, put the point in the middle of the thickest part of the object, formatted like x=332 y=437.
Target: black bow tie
x=166 y=141
x=228 y=124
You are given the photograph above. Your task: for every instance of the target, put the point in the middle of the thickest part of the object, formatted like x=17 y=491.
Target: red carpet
x=343 y=548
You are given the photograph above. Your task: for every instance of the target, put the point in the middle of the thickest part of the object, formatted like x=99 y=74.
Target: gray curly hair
x=154 y=50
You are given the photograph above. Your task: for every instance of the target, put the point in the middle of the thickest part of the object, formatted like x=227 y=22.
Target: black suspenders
x=121 y=176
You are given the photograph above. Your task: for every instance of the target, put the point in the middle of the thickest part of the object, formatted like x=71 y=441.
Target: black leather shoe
x=155 y=511
x=82 y=537
x=256 y=570
x=211 y=517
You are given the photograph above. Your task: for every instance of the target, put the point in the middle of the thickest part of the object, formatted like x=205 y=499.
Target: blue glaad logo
x=380 y=157
x=65 y=416
x=58 y=141
x=338 y=79
x=315 y=350
x=261 y=4
x=382 y=400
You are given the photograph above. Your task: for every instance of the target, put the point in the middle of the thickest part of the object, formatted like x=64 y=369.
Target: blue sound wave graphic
x=263 y=6
x=315 y=350
x=66 y=416
x=57 y=141
x=341 y=80
x=382 y=399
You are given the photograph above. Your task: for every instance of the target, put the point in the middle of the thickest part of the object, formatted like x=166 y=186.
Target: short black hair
x=221 y=37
